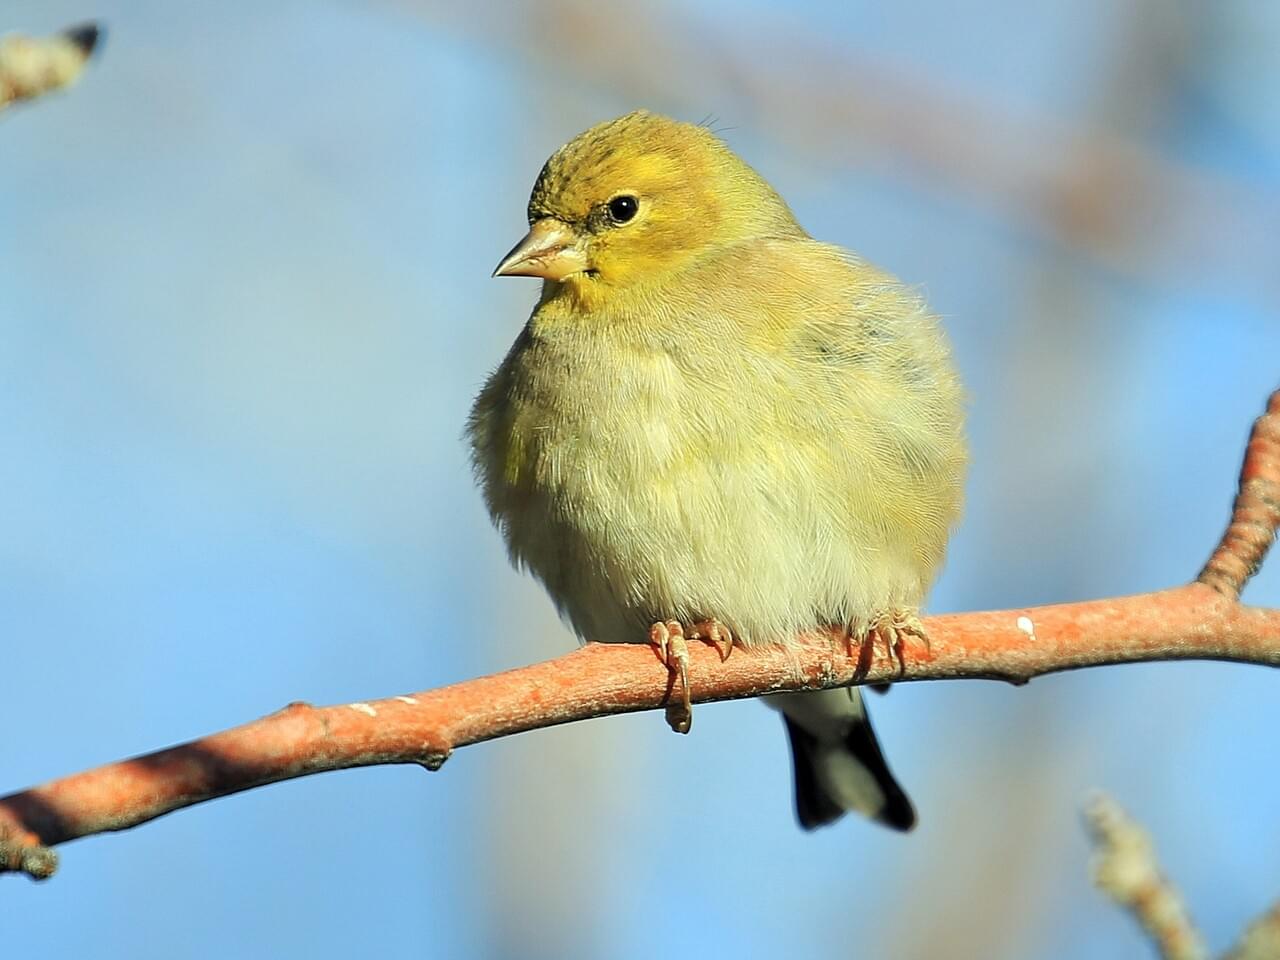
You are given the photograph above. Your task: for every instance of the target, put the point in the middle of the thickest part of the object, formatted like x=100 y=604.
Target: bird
x=714 y=427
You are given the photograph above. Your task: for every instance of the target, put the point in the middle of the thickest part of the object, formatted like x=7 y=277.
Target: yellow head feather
x=692 y=194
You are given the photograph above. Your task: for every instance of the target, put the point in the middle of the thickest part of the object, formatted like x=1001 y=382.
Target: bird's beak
x=550 y=250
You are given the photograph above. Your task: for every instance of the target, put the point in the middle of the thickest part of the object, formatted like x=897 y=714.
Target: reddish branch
x=1202 y=621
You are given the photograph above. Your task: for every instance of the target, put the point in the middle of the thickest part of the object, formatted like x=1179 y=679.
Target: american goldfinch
x=714 y=426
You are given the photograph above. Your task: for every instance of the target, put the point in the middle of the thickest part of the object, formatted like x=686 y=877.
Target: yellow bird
x=714 y=426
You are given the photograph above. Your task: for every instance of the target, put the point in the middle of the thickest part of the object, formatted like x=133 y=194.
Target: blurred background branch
x=1128 y=207
x=1261 y=941
x=1125 y=868
x=30 y=68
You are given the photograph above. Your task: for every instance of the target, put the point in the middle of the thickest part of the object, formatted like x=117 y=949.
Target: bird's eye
x=622 y=209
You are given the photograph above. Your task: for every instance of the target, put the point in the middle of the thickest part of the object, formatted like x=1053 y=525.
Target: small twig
x=1197 y=621
x=30 y=68
x=1125 y=869
x=1256 y=514
x=1261 y=941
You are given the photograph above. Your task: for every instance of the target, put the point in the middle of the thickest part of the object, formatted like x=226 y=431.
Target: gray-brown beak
x=550 y=250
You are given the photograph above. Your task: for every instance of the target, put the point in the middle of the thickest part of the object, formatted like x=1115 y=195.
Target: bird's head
x=636 y=198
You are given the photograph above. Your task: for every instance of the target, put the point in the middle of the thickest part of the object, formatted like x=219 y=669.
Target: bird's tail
x=838 y=763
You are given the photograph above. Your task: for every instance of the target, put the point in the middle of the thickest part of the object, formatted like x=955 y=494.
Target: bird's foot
x=669 y=637
x=891 y=629
x=715 y=633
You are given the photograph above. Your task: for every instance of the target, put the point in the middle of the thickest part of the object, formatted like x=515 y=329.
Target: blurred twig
x=1125 y=869
x=30 y=68
x=1203 y=620
x=1261 y=941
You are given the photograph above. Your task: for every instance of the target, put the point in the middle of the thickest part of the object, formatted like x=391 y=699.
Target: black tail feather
x=815 y=807
x=898 y=811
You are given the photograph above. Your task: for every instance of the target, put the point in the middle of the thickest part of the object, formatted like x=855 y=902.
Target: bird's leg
x=669 y=637
x=891 y=628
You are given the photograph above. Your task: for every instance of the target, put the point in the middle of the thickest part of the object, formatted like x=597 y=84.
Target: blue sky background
x=245 y=304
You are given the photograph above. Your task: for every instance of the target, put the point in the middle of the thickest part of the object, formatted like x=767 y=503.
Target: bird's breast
x=596 y=422
x=711 y=477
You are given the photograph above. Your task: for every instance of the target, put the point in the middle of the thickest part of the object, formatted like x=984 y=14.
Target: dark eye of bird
x=622 y=209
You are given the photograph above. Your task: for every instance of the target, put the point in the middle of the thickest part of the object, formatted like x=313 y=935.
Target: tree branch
x=1261 y=941
x=1202 y=621
x=1125 y=869
x=31 y=68
x=1256 y=514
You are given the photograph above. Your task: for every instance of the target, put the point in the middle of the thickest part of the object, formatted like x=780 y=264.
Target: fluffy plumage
x=711 y=415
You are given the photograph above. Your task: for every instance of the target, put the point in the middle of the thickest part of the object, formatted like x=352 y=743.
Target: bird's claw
x=717 y=634
x=891 y=629
x=669 y=637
